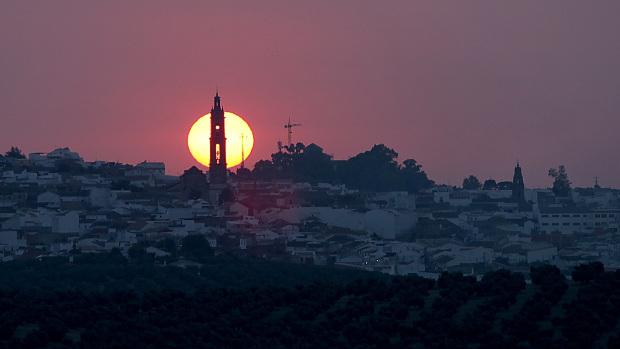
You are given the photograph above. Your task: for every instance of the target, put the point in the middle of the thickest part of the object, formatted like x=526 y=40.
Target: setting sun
x=239 y=139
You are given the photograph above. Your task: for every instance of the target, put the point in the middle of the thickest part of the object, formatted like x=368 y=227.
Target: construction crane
x=289 y=126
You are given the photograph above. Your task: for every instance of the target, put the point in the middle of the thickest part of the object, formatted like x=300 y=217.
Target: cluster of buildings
x=48 y=208
x=57 y=204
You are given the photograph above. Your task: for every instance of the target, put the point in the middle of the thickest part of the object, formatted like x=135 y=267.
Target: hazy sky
x=464 y=87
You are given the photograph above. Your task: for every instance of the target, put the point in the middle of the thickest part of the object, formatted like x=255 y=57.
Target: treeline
x=355 y=311
x=113 y=272
x=374 y=170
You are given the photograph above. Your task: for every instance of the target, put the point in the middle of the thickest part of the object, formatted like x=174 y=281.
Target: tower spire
x=217 y=143
x=596 y=185
x=518 y=186
x=217 y=101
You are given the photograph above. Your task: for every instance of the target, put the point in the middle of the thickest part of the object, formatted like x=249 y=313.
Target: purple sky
x=464 y=87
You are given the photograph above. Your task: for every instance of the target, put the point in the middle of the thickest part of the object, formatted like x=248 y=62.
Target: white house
x=9 y=239
x=68 y=223
x=101 y=197
x=65 y=154
x=568 y=221
x=48 y=199
x=148 y=169
x=541 y=253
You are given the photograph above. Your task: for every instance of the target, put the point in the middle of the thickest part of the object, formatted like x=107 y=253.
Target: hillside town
x=57 y=204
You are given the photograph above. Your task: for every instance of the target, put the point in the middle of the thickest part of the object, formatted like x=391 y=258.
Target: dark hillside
x=107 y=302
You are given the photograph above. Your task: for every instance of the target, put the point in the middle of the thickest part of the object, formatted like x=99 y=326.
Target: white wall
x=66 y=224
x=386 y=223
x=10 y=239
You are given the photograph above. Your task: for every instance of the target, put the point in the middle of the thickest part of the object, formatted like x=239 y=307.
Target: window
x=545 y=224
x=555 y=223
x=555 y=215
x=565 y=215
x=612 y=215
x=576 y=215
x=603 y=216
x=566 y=224
x=545 y=216
x=576 y=223
x=597 y=216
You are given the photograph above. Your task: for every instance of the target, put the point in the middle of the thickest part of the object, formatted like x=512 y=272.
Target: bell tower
x=217 y=162
x=518 y=187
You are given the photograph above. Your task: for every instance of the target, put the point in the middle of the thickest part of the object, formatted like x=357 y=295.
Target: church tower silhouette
x=217 y=142
x=518 y=186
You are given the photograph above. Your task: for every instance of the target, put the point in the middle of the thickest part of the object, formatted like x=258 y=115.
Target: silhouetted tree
x=116 y=257
x=15 y=153
x=168 y=245
x=502 y=282
x=414 y=177
x=490 y=184
x=137 y=253
x=471 y=183
x=614 y=341
x=264 y=170
x=313 y=165
x=244 y=173
x=195 y=247
x=69 y=166
x=295 y=148
x=587 y=272
x=304 y=163
x=549 y=278
x=101 y=301
x=373 y=170
x=561 y=184
x=504 y=185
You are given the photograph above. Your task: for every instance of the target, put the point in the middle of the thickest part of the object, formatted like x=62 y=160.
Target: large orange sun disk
x=236 y=128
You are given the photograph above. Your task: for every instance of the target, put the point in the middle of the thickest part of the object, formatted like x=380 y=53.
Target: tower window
x=217 y=127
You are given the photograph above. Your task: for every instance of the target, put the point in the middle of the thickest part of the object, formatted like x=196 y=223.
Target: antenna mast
x=242 y=151
x=289 y=126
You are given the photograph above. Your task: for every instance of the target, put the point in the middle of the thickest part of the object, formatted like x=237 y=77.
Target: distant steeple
x=518 y=186
x=596 y=185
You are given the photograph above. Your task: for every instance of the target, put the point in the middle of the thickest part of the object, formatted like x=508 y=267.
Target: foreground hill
x=105 y=302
